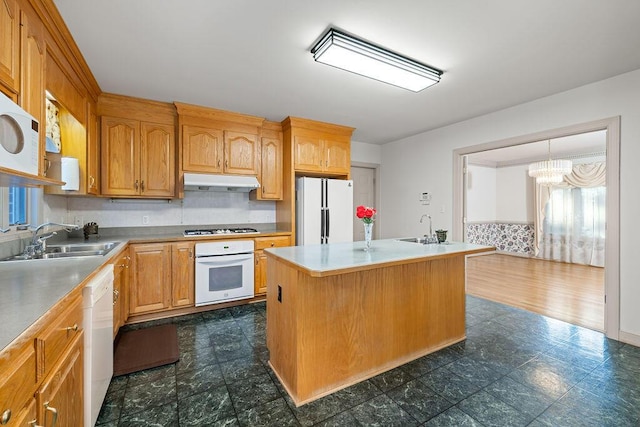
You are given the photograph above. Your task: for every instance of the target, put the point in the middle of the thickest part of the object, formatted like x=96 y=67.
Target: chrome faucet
x=38 y=243
x=431 y=238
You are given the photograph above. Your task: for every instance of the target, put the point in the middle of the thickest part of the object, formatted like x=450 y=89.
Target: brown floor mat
x=145 y=348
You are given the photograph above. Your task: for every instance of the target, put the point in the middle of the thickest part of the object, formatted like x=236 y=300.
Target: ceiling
x=252 y=56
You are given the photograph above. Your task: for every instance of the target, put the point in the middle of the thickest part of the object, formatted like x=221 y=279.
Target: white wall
x=366 y=153
x=481 y=193
x=514 y=194
x=425 y=161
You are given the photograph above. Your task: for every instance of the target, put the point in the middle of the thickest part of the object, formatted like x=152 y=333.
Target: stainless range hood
x=207 y=182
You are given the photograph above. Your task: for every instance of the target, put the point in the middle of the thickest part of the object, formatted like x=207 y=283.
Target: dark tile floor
x=515 y=369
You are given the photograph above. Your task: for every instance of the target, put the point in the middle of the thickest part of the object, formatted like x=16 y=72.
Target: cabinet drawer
x=272 y=242
x=60 y=334
x=17 y=383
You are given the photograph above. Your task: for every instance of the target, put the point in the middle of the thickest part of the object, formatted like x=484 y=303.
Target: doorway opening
x=610 y=128
x=364 y=193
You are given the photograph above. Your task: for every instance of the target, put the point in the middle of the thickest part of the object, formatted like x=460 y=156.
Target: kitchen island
x=338 y=315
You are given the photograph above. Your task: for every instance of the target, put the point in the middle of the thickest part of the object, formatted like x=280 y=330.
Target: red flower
x=365 y=213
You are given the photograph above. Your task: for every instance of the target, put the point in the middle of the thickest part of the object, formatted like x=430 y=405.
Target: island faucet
x=431 y=238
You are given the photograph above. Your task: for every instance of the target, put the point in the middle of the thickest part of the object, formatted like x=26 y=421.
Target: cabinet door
x=157 y=160
x=307 y=155
x=241 y=153
x=150 y=280
x=337 y=156
x=61 y=394
x=28 y=417
x=271 y=172
x=93 y=151
x=260 y=273
x=9 y=44
x=183 y=274
x=32 y=74
x=202 y=149
x=120 y=166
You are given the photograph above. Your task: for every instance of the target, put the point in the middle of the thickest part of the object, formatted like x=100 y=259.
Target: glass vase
x=368 y=233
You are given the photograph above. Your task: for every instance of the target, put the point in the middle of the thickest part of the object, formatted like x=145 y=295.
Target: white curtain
x=570 y=217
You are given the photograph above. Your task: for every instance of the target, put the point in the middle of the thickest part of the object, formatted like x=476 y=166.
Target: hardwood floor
x=570 y=292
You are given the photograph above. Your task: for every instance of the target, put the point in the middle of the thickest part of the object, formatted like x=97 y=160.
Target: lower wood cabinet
x=60 y=398
x=260 y=269
x=41 y=379
x=120 y=291
x=162 y=277
x=182 y=274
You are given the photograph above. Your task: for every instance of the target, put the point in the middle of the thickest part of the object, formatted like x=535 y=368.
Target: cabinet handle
x=47 y=166
x=190 y=254
x=116 y=294
x=32 y=423
x=142 y=186
x=73 y=328
x=135 y=185
x=92 y=181
x=6 y=417
x=273 y=244
x=257 y=261
x=218 y=162
x=226 y=163
x=54 y=411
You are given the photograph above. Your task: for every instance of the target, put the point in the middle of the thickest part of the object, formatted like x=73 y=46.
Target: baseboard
x=629 y=338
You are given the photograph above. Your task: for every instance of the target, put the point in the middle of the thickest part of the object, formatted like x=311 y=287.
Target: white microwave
x=19 y=142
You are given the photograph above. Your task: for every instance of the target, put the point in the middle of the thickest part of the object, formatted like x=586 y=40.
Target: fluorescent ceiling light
x=357 y=56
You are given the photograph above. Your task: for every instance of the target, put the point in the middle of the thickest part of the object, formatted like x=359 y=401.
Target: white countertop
x=319 y=259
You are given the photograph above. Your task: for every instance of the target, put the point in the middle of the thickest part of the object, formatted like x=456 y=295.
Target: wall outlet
x=77 y=220
x=145 y=219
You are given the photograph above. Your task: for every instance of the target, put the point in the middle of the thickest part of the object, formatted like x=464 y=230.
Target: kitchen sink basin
x=69 y=251
x=421 y=240
x=93 y=248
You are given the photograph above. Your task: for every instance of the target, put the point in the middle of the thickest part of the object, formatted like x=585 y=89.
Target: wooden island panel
x=330 y=332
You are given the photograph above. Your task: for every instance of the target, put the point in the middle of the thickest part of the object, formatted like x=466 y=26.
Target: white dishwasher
x=97 y=298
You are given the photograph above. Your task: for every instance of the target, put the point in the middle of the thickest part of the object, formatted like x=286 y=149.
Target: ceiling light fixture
x=549 y=172
x=343 y=51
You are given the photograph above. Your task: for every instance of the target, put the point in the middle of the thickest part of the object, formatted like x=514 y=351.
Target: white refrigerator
x=324 y=211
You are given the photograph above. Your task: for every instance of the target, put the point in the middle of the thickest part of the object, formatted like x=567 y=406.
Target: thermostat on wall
x=425 y=198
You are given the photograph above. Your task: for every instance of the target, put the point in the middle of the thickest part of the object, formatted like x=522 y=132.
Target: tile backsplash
x=196 y=208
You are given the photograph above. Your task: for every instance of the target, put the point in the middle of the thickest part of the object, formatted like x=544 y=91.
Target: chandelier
x=550 y=172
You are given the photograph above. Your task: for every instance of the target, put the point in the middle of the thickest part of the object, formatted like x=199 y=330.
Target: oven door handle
x=223 y=260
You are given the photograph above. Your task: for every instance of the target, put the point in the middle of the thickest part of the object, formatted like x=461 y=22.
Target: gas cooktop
x=215 y=231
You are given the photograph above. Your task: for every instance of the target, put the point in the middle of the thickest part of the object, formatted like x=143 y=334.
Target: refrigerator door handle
x=322 y=221
x=327 y=215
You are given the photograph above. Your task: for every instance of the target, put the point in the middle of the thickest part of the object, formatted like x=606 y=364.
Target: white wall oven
x=19 y=145
x=224 y=271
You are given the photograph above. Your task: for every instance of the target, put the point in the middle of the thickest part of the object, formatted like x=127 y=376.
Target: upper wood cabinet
x=9 y=44
x=31 y=95
x=271 y=163
x=211 y=150
x=241 y=153
x=319 y=148
x=137 y=154
x=202 y=149
x=217 y=141
x=93 y=151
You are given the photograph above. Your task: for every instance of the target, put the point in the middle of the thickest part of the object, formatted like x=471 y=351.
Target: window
x=17 y=205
